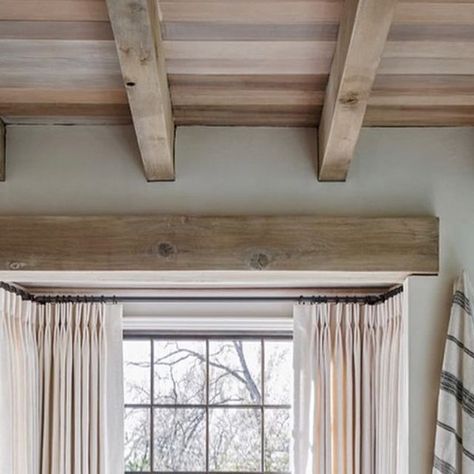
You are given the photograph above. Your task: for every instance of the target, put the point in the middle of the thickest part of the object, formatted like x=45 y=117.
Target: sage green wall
x=96 y=170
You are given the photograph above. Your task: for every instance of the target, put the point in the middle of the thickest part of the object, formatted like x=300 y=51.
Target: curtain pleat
x=349 y=388
x=19 y=414
x=61 y=391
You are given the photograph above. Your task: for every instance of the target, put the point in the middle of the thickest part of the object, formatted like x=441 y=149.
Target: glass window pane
x=234 y=439
x=137 y=439
x=136 y=356
x=235 y=372
x=180 y=372
x=179 y=439
x=278 y=372
x=277 y=440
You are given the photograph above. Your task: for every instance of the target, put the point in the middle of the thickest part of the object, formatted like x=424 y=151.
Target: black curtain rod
x=367 y=299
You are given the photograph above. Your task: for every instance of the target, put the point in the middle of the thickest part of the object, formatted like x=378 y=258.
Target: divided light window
x=207 y=404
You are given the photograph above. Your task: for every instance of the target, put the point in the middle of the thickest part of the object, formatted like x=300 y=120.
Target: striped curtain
x=454 y=447
x=350 y=397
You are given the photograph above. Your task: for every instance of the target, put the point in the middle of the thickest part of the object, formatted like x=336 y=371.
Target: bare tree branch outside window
x=207 y=405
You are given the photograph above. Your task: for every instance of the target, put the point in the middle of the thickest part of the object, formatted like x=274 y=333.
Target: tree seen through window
x=206 y=405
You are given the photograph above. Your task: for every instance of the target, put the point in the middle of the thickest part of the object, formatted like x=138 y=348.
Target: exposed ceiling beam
x=136 y=28
x=362 y=35
x=3 y=153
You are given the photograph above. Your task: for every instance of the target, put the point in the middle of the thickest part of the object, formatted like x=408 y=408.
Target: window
x=207 y=404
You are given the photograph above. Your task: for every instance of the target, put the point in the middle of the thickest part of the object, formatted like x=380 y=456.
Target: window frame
x=261 y=336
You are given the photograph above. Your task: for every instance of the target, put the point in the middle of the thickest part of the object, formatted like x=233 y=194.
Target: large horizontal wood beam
x=361 y=39
x=286 y=243
x=135 y=24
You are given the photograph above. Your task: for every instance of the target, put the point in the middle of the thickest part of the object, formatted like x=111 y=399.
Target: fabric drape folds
x=454 y=447
x=350 y=397
x=61 y=393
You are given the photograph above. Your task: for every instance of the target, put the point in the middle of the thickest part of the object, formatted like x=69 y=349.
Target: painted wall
x=94 y=170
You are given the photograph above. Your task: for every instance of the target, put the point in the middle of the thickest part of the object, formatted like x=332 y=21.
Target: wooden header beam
x=362 y=35
x=136 y=28
x=167 y=243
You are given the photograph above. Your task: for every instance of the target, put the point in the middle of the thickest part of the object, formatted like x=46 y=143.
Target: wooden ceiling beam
x=136 y=28
x=361 y=39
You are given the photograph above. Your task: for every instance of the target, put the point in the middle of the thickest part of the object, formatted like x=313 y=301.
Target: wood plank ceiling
x=235 y=62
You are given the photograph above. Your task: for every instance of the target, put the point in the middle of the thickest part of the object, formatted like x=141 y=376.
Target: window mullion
x=266 y=416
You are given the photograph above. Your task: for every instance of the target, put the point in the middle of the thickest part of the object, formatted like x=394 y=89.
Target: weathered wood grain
x=251 y=82
x=56 y=30
x=249 y=50
x=304 y=11
x=202 y=97
x=251 y=66
x=275 y=117
x=268 y=61
x=59 y=64
x=362 y=35
x=138 y=39
x=53 y=10
x=213 y=31
x=287 y=12
x=22 y=95
x=183 y=243
x=36 y=102
x=413 y=116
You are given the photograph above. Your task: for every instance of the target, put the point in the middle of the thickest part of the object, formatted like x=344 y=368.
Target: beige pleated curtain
x=350 y=397
x=61 y=394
